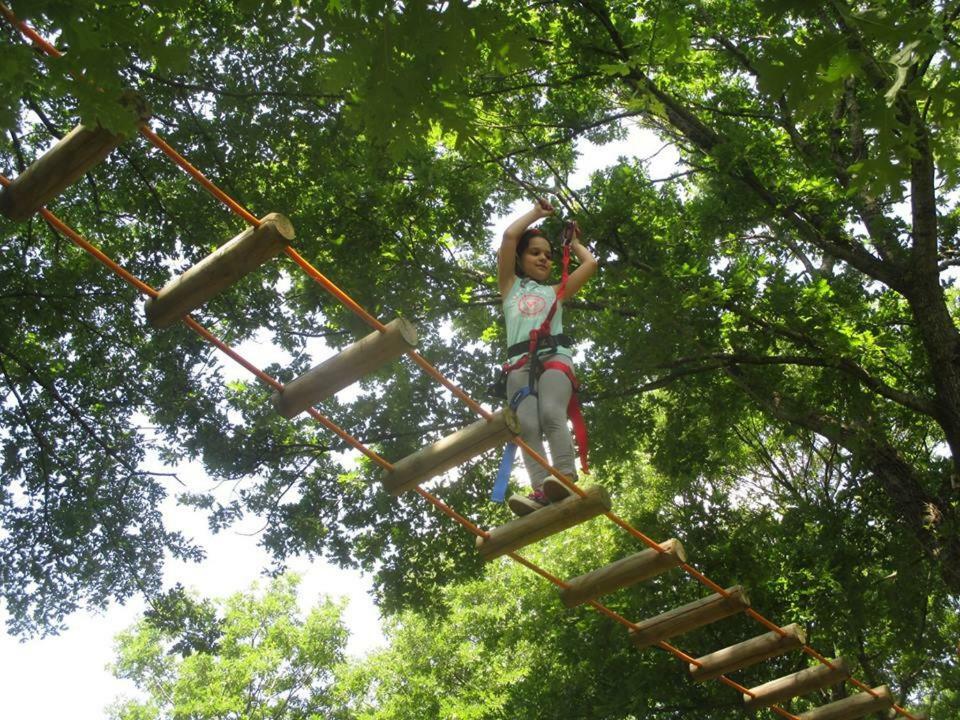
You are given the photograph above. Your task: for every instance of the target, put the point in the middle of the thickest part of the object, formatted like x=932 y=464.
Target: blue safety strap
x=503 y=474
x=499 y=493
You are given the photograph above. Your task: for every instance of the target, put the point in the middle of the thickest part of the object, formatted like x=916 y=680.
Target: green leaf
x=902 y=60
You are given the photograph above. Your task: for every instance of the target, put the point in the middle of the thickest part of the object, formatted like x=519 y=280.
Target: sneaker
x=525 y=505
x=556 y=490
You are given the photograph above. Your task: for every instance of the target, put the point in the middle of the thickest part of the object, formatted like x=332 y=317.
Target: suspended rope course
x=273 y=234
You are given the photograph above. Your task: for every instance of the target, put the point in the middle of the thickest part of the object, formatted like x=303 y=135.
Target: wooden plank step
x=451 y=451
x=220 y=269
x=62 y=165
x=544 y=522
x=690 y=616
x=622 y=573
x=799 y=683
x=747 y=653
x=342 y=370
x=853 y=707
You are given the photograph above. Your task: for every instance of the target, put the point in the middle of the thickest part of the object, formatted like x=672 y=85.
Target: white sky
x=67 y=677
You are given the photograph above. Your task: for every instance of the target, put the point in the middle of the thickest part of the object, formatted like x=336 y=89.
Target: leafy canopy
x=268 y=661
x=786 y=294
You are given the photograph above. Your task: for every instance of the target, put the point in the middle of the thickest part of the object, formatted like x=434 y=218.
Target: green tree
x=789 y=287
x=80 y=509
x=270 y=661
x=502 y=646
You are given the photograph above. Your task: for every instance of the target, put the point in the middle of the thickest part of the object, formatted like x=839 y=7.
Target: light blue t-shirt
x=526 y=307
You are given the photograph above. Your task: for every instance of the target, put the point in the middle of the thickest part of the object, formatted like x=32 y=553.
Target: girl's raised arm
x=507 y=255
x=588 y=265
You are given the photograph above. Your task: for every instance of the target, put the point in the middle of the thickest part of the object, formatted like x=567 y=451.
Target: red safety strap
x=574 y=411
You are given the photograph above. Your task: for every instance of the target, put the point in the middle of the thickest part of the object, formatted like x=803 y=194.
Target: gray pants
x=545 y=416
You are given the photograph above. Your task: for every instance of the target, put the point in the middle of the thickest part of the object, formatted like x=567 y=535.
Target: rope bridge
x=268 y=237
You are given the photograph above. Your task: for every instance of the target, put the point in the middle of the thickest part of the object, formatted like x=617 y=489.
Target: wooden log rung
x=62 y=165
x=749 y=652
x=451 y=451
x=352 y=363
x=222 y=268
x=853 y=707
x=544 y=522
x=623 y=573
x=690 y=616
x=799 y=683
x=56 y=170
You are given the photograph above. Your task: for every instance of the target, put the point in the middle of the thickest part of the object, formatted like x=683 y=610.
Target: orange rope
x=29 y=32
x=349 y=302
x=690 y=570
x=679 y=653
x=349 y=439
x=219 y=194
x=230 y=352
x=75 y=237
x=782 y=713
x=766 y=623
x=436 y=375
x=334 y=290
x=450 y=512
x=549 y=577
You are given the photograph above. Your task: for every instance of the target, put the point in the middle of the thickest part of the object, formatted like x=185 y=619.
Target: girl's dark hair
x=524 y=242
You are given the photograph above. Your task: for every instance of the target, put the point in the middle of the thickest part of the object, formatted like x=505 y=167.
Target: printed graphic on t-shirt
x=531 y=305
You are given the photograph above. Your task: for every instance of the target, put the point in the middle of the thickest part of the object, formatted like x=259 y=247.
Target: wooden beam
x=56 y=170
x=342 y=370
x=799 y=683
x=690 y=616
x=853 y=707
x=63 y=164
x=544 y=522
x=747 y=653
x=622 y=573
x=223 y=267
x=451 y=451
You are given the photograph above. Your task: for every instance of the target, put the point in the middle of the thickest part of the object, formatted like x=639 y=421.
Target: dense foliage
x=268 y=661
x=773 y=327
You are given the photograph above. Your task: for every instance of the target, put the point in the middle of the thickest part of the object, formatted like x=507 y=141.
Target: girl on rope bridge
x=540 y=379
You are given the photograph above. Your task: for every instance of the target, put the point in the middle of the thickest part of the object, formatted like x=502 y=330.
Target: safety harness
x=541 y=338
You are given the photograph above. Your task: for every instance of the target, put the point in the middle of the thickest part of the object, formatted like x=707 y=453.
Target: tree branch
x=929 y=517
x=926 y=406
x=830 y=238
